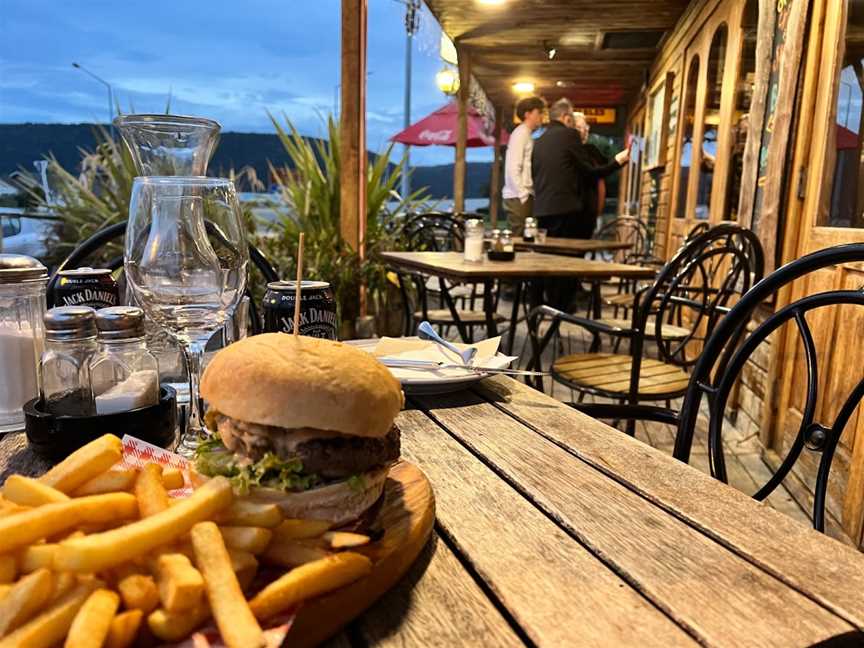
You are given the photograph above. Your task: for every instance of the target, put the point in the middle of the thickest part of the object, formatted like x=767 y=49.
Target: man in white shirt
x=518 y=188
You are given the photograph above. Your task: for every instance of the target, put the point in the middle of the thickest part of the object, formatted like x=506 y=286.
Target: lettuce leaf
x=212 y=458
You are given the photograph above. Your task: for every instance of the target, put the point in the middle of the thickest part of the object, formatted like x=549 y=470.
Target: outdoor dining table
x=526 y=267
x=553 y=529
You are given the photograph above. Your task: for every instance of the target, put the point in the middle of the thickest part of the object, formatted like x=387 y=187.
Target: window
x=847 y=194
x=686 y=123
x=633 y=187
x=741 y=114
x=11 y=225
x=711 y=122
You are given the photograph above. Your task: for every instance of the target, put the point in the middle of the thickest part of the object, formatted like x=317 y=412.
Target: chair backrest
x=435 y=233
x=115 y=233
x=728 y=349
x=628 y=229
x=695 y=290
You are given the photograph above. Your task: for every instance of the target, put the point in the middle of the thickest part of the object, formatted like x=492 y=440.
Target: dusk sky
x=229 y=61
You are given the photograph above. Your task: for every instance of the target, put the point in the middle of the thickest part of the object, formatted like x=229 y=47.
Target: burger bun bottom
x=337 y=503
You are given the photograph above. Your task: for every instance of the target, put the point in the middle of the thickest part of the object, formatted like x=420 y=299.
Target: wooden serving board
x=406 y=516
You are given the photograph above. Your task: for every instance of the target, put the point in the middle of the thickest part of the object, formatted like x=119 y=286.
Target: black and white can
x=317 y=309
x=93 y=287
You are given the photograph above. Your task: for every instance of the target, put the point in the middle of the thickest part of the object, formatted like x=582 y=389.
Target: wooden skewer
x=297 y=288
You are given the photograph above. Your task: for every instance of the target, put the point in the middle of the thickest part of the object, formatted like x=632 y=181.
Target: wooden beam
x=459 y=166
x=495 y=180
x=352 y=127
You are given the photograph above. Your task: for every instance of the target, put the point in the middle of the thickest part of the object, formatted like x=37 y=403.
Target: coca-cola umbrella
x=441 y=128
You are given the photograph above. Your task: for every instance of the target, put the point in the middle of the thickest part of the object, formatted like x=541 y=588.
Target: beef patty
x=327 y=454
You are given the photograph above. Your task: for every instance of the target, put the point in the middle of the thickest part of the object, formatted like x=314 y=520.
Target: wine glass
x=186 y=258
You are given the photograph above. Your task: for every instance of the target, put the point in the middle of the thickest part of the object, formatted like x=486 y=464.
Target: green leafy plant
x=311 y=189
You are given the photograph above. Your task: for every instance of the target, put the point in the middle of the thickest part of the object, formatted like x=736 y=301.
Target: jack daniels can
x=93 y=287
x=317 y=309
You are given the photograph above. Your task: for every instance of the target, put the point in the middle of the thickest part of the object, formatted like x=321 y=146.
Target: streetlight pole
x=110 y=94
x=412 y=24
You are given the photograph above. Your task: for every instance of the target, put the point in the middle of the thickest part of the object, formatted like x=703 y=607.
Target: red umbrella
x=440 y=128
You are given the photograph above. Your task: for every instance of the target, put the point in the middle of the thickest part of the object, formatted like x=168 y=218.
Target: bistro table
x=527 y=266
x=556 y=530
x=572 y=247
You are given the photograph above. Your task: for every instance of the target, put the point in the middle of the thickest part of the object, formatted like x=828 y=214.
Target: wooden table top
x=571 y=246
x=554 y=529
x=526 y=265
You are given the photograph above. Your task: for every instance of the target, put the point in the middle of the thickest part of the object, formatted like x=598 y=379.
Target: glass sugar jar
x=70 y=342
x=474 y=240
x=22 y=305
x=124 y=375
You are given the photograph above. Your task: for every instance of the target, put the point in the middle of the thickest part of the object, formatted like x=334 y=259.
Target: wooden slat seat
x=669 y=331
x=444 y=316
x=619 y=299
x=610 y=372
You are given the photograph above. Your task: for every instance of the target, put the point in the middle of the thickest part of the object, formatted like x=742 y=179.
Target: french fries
x=96 y=555
x=345 y=540
x=124 y=629
x=91 y=625
x=25 y=599
x=293 y=553
x=51 y=626
x=110 y=481
x=27 y=491
x=25 y=528
x=300 y=529
x=84 y=464
x=309 y=580
x=8 y=568
x=245 y=512
x=149 y=491
x=181 y=586
x=139 y=592
x=174 y=626
x=235 y=620
x=247 y=538
x=103 y=550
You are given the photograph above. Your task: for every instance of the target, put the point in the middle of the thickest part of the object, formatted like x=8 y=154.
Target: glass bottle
x=22 y=306
x=70 y=342
x=474 y=240
x=530 y=230
x=124 y=375
x=506 y=241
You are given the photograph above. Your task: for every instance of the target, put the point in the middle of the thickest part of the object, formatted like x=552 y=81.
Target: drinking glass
x=186 y=259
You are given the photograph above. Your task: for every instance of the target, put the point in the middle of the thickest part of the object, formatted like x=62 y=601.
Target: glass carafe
x=169 y=145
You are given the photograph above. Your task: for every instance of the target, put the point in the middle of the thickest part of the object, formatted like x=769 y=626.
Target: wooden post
x=352 y=128
x=462 y=130
x=495 y=180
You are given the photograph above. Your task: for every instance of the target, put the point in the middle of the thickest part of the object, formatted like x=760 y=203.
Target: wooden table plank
x=556 y=591
x=722 y=598
x=825 y=569
x=525 y=266
x=437 y=604
x=568 y=246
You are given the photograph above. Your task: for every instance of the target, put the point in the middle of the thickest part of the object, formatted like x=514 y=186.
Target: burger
x=303 y=422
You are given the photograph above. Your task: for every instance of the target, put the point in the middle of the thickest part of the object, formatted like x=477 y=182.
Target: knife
x=431 y=364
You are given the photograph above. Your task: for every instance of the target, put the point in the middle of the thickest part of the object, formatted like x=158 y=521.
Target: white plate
x=430 y=382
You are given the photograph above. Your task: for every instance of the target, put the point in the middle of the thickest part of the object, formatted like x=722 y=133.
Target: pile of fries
x=98 y=556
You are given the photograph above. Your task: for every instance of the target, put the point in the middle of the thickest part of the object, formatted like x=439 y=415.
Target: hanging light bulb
x=523 y=87
x=447 y=81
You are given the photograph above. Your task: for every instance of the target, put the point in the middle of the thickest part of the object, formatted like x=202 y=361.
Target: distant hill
x=22 y=144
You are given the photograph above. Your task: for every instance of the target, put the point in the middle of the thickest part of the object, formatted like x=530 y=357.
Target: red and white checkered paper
x=137 y=453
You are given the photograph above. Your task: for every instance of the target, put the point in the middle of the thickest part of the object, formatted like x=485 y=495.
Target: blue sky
x=228 y=61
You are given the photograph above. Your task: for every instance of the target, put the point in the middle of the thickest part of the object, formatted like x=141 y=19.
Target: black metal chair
x=726 y=352
x=438 y=232
x=690 y=296
x=99 y=241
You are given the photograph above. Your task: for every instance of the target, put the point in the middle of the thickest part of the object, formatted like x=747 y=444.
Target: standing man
x=564 y=174
x=518 y=188
x=597 y=190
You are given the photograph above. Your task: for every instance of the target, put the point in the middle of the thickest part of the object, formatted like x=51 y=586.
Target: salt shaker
x=474 y=240
x=70 y=342
x=123 y=373
x=530 y=230
x=22 y=306
x=506 y=241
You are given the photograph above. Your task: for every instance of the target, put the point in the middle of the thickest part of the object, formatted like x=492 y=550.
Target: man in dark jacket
x=564 y=175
